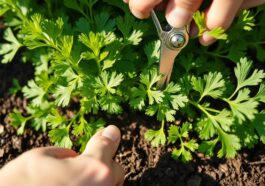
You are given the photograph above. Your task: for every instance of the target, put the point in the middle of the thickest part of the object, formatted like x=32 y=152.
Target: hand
x=179 y=12
x=61 y=167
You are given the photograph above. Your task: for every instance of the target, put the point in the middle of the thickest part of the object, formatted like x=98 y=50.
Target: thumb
x=104 y=144
x=180 y=12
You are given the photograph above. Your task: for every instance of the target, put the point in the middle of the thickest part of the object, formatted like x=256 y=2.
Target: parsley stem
x=200 y=108
x=217 y=55
x=75 y=117
x=234 y=93
x=213 y=110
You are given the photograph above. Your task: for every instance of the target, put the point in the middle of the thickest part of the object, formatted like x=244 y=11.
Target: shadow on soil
x=169 y=172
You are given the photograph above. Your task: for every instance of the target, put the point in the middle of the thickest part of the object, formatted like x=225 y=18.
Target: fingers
x=104 y=144
x=221 y=13
x=56 y=152
x=251 y=3
x=141 y=8
x=180 y=12
x=118 y=174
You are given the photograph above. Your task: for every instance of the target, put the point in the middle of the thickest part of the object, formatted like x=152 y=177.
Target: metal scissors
x=173 y=40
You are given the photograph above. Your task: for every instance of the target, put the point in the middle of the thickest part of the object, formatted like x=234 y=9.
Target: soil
x=144 y=166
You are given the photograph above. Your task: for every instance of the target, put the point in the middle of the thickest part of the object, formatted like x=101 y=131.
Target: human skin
x=64 y=167
x=178 y=13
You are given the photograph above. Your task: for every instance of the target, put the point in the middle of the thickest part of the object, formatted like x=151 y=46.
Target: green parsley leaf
x=207 y=147
x=212 y=85
x=230 y=144
x=246 y=20
x=152 y=51
x=35 y=92
x=18 y=121
x=218 y=33
x=175 y=133
x=259 y=125
x=261 y=93
x=9 y=50
x=60 y=137
x=199 y=19
x=243 y=106
x=54 y=119
x=107 y=82
x=103 y=22
x=242 y=71
x=63 y=94
x=156 y=137
x=149 y=80
x=206 y=129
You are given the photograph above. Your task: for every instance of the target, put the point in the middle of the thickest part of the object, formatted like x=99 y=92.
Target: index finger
x=55 y=152
x=142 y=8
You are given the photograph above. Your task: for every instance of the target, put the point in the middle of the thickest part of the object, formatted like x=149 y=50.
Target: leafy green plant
x=92 y=56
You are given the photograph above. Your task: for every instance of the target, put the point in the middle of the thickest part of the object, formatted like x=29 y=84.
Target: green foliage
x=222 y=122
x=176 y=133
x=9 y=50
x=217 y=32
x=93 y=58
x=16 y=87
x=156 y=137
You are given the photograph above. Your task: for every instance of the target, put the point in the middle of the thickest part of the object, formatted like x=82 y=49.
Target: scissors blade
x=156 y=22
x=167 y=58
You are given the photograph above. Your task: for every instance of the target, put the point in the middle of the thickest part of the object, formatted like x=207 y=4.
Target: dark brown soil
x=144 y=166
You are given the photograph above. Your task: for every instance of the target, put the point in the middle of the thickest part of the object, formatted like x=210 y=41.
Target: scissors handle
x=156 y=22
x=173 y=40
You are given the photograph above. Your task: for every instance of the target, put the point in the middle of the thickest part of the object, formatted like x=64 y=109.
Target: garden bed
x=143 y=164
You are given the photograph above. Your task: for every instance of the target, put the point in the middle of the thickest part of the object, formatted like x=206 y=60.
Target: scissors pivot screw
x=177 y=40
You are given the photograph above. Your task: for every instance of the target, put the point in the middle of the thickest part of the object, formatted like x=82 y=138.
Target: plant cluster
x=92 y=56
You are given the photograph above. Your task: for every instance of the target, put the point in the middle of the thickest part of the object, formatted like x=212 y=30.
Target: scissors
x=173 y=40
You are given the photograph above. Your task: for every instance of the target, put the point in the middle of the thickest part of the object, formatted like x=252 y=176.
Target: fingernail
x=207 y=40
x=179 y=17
x=110 y=132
